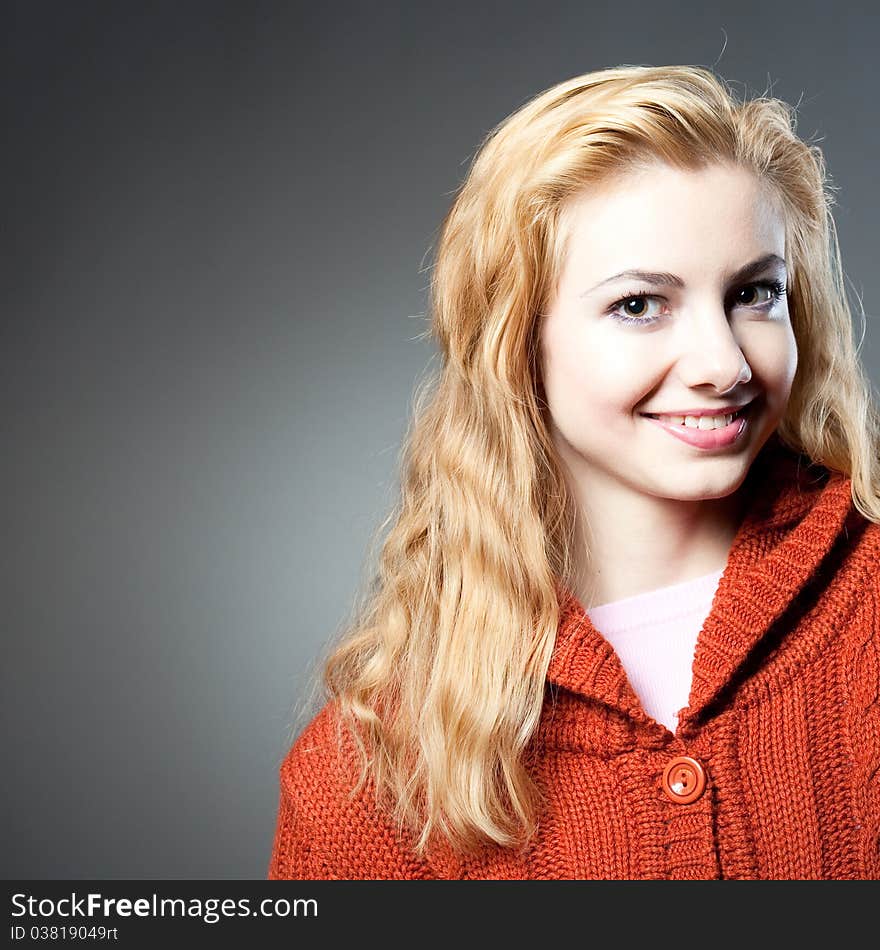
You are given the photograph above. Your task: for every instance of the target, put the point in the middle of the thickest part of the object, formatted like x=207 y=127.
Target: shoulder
x=865 y=545
x=321 y=769
x=862 y=541
x=315 y=755
x=319 y=772
x=332 y=830
x=860 y=633
x=860 y=671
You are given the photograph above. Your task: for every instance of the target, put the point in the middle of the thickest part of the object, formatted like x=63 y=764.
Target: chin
x=705 y=487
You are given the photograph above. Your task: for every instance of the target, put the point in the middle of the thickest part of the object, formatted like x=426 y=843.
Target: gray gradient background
x=217 y=219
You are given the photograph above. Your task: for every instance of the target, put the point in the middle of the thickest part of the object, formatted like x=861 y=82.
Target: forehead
x=664 y=216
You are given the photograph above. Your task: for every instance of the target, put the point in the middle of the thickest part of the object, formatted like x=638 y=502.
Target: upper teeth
x=699 y=422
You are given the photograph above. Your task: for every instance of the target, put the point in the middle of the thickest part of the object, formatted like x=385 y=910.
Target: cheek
x=774 y=362
x=586 y=383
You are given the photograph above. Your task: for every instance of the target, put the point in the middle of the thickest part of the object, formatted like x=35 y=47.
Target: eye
x=641 y=310
x=751 y=291
x=634 y=308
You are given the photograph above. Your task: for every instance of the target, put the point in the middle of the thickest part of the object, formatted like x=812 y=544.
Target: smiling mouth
x=702 y=422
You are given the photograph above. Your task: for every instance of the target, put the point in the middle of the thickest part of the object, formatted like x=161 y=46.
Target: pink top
x=655 y=634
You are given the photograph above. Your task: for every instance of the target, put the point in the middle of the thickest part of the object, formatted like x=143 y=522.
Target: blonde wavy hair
x=440 y=675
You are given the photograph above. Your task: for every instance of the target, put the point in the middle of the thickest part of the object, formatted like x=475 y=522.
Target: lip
x=707 y=438
x=721 y=411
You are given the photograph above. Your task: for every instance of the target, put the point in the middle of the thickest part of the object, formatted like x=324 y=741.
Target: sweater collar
x=797 y=511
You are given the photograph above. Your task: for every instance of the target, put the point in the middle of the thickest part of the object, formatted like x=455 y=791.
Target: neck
x=633 y=543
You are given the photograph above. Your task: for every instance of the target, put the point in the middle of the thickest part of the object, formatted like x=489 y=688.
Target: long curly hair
x=440 y=674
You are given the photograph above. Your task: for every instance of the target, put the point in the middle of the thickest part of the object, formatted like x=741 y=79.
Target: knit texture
x=783 y=716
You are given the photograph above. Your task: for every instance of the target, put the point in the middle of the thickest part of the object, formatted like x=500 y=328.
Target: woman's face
x=703 y=331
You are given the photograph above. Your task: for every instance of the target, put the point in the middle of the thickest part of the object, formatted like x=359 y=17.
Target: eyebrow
x=662 y=279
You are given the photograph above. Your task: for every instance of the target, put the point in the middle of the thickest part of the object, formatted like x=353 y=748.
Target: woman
x=625 y=621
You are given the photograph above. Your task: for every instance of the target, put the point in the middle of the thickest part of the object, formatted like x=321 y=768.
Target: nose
x=710 y=354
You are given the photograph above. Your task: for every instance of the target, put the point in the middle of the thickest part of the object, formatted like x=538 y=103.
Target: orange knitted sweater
x=773 y=770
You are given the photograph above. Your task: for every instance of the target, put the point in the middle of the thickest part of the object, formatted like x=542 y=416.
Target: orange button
x=684 y=780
